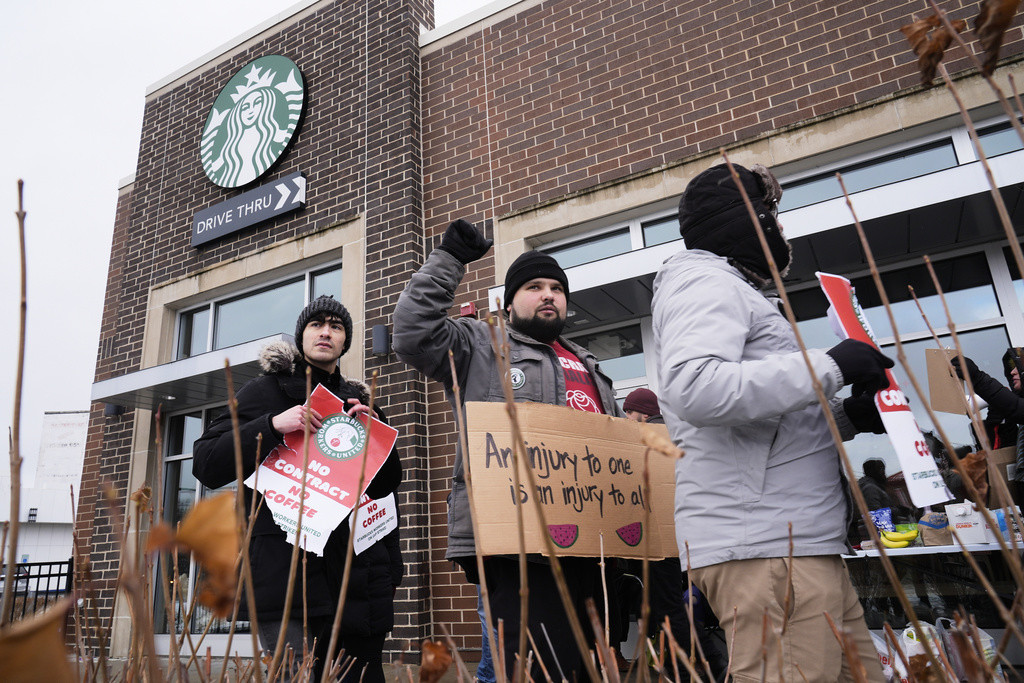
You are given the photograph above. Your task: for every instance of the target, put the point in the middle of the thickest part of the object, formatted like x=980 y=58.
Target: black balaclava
x=713 y=217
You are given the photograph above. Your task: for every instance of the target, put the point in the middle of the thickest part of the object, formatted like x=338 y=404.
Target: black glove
x=862 y=365
x=972 y=368
x=464 y=241
x=863 y=414
x=1002 y=403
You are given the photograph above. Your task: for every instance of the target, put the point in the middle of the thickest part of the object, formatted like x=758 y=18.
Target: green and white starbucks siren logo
x=252 y=121
x=341 y=437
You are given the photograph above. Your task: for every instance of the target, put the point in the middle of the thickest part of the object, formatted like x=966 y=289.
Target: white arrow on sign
x=286 y=192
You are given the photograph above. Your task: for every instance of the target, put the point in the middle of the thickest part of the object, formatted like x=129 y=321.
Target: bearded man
x=545 y=368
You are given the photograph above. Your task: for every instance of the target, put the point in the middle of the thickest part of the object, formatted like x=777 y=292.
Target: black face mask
x=777 y=245
x=713 y=217
x=737 y=240
x=545 y=331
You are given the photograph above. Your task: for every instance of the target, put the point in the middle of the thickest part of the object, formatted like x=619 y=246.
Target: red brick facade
x=565 y=97
x=558 y=99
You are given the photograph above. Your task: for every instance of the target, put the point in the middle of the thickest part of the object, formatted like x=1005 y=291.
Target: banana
x=892 y=544
x=900 y=535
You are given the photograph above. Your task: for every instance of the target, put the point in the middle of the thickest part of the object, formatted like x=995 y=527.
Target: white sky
x=76 y=76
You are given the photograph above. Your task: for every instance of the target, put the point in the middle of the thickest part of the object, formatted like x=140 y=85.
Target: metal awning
x=187 y=383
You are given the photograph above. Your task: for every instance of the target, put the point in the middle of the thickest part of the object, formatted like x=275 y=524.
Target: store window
x=661 y=230
x=620 y=351
x=593 y=249
x=892 y=168
x=647 y=231
x=966 y=282
x=251 y=315
x=999 y=139
x=217 y=324
x=181 y=491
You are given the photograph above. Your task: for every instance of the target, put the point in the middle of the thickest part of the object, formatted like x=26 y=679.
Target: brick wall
x=581 y=93
x=565 y=96
x=554 y=100
x=359 y=147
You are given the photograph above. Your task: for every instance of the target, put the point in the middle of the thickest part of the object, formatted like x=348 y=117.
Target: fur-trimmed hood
x=282 y=357
x=278 y=358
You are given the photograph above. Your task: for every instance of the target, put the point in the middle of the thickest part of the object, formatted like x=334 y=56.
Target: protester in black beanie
x=530 y=265
x=713 y=217
x=324 y=306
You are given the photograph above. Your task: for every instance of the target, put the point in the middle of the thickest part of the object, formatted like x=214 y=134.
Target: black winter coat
x=376 y=572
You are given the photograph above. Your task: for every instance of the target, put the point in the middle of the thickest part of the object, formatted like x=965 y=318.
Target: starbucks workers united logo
x=252 y=121
x=341 y=437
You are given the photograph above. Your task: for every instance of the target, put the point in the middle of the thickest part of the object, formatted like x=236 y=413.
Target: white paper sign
x=924 y=481
x=375 y=519
x=336 y=466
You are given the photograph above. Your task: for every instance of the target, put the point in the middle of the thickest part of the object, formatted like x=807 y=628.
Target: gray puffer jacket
x=737 y=396
x=423 y=334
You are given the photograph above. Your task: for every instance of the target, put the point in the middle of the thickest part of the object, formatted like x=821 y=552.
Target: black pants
x=583 y=579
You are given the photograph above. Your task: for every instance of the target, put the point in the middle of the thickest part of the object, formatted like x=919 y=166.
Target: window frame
x=212 y=305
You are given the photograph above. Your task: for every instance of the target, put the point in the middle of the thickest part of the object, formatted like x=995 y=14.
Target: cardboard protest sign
x=336 y=455
x=589 y=471
x=945 y=391
x=375 y=520
x=924 y=482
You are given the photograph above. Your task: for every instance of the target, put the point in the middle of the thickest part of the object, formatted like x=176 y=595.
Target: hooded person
x=269 y=407
x=1005 y=413
x=545 y=368
x=874 y=485
x=736 y=393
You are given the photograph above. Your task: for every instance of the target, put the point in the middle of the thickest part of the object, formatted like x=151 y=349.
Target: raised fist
x=464 y=241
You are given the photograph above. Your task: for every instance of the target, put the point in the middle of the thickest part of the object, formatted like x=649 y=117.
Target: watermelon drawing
x=564 y=535
x=631 y=534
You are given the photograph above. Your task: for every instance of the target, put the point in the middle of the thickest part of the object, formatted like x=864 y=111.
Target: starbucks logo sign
x=341 y=437
x=252 y=121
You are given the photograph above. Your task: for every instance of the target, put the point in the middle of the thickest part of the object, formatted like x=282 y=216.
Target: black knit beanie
x=712 y=217
x=531 y=265
x=326 y=306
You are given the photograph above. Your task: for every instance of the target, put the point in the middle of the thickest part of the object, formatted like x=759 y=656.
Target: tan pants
x=741 y=591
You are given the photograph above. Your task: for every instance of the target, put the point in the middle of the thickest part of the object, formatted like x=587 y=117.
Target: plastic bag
x=882 y=648
x=911 y=643
x=945 y=627
x=882 y=518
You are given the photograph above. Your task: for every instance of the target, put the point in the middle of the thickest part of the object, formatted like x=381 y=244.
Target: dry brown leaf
x=33 y=649
x=929 y=39
x=993 y=19
x=142 y=496
x=921 y=671
x=977 y=469
x=210 y=531
x=161 y=537
x=434 y=661
x=974 y=669
x=657 y=442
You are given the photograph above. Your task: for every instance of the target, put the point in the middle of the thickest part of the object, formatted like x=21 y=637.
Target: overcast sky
x=75 y=81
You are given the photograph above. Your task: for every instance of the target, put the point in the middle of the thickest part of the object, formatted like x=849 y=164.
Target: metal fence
x=36 y=585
